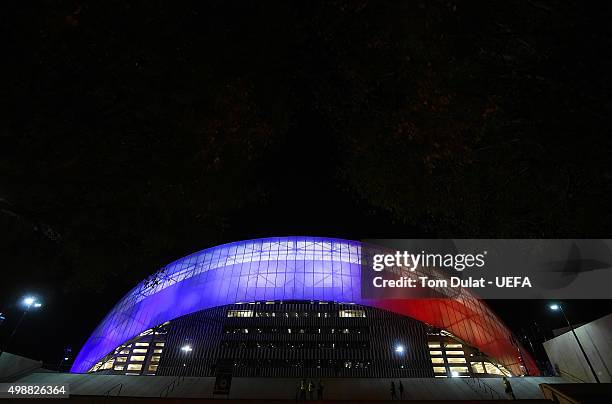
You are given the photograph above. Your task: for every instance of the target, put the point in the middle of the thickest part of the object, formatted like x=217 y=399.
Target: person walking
x=401 y=390
x=508 y=389
x=311 y=388
x=320 y=388
x=393 y=392
x=303 y=389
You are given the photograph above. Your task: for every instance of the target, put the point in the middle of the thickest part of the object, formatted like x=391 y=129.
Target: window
x=459 y=369
x=265 y=314
x=134 y=366
x=108 y=365
x=439 y=369
x=137 y=358
x=492 y=369
x=240 y=313
x=155 y=358
x=433 y=344
x=456 y=360
x=455 y=353
x=142 y=344
x=352 y=313
x=437 y=360
x=140 y=350
x=437 y=353
x=153 y=368
x=477 y=367
x=157 y=350
x=453 y=346
x=125 y=352
x=118 y=367
x=121 y=359
x=160 y=343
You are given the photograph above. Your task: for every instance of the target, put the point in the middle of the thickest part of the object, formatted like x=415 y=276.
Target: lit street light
x=558 y=307
x=28 y=302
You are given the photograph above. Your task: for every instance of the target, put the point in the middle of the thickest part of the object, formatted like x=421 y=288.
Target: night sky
x=135 y=133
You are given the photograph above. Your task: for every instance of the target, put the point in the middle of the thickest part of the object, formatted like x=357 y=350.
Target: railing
x=107 y=394
x=170 y=386
x=482 y=388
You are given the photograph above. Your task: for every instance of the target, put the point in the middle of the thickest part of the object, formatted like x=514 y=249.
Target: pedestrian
x=320 y=388
x=393 y=392
x=311 y=388
x=401 y=390
x=508 y=389
x=303 y=389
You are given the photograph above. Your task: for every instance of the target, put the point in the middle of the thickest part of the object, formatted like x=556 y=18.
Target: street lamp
x=399 y=349
x=558 y=307
x=27 y=303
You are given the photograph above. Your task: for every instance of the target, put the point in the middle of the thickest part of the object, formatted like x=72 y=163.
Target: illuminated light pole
x=28 y=302
x=558 y=307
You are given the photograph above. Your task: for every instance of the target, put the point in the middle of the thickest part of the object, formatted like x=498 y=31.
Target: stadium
x=292 y=307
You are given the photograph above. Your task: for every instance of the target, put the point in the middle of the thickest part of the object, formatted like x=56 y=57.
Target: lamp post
x=558 y=307
x=28 y=303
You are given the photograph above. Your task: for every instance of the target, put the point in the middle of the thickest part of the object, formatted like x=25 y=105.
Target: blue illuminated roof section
x=287 y=268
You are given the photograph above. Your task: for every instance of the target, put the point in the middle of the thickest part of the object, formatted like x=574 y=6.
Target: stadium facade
x=292 y=306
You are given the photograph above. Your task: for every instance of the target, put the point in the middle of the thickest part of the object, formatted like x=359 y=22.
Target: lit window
x=118 y=367
x=134 y=366
x=125 y=352
x=153 y=368
x=137 y=358
x=456 y=360
x=142 y=344
x=108 y=365
x=453 y=346
x=477 y=367
x=157 y=350
x=492 y=369
x=454 y=353
x=140 y=350
x=121 y=359
x=433 y=344
x=439 y=369
x=437 y=360
x=240 y=313
x=352 y=313
x=458 y=369
x=155 y=358
x=433 y=353
x=441 y=376
x=160 y=343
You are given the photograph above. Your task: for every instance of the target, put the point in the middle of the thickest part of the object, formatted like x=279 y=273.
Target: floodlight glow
x=399 y=349
x=187 y=348
x=28 y=301
x=37 y=305
x=554 y=307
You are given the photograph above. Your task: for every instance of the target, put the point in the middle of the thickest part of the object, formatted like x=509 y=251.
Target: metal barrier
x=107 y=394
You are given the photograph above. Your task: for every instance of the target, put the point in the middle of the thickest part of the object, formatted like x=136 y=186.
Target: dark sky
x=134 y=133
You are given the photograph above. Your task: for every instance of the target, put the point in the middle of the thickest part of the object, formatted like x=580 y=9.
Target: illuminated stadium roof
x=286 y=268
